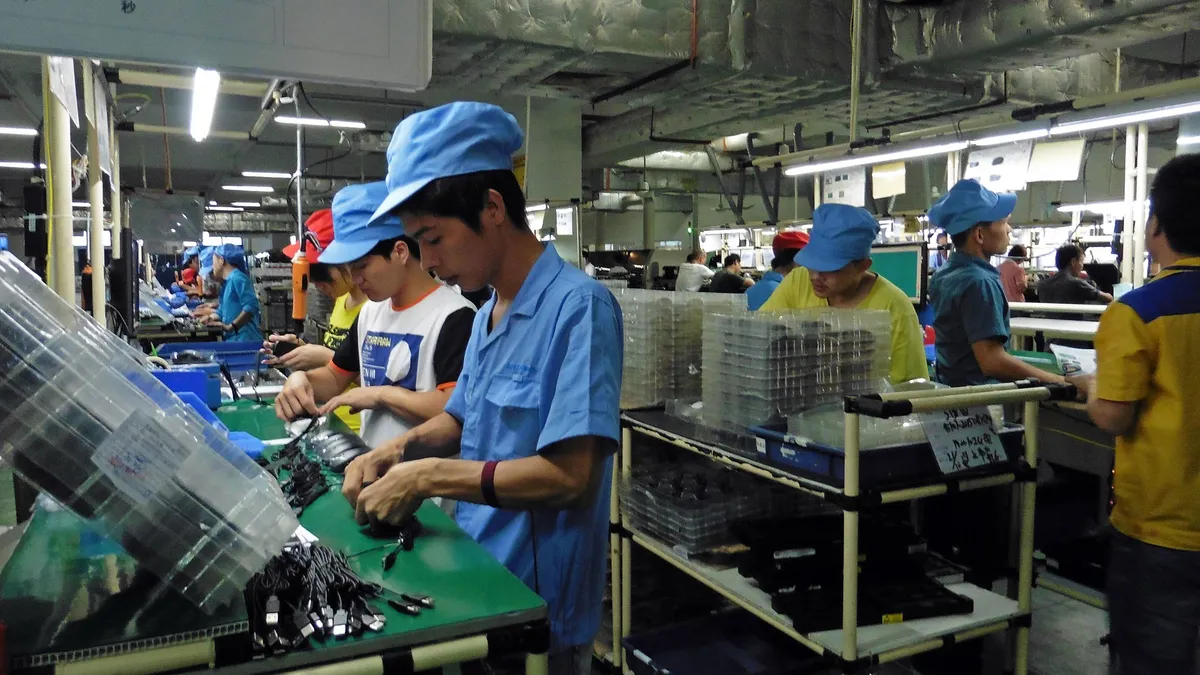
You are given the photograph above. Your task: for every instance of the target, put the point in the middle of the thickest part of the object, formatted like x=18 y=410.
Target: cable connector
x=271 y=613
x=339 y=624
x=318 y=624
x=303 y=627
x=418 y=599
x=327 y=612
x=404 y=607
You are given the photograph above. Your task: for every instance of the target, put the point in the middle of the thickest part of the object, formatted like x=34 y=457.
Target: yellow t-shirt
x=908 y=344
x=1146 y=353
x=340 y=323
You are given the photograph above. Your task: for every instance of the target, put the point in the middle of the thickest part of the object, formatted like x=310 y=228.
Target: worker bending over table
x=237 y=311
x=784 y=247
x=406 y=346
x=1067 y=286
x=335 y=282
x=1147 y=348
x=834 y=270
x=970 y=310
x=535 y=414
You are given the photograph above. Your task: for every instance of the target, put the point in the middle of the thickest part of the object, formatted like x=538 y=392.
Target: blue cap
x=967 y=204
x=189 y=252
x=355 y=233
x=449 y=140
x=840 y=235
x=206 y=255
x=233 y=254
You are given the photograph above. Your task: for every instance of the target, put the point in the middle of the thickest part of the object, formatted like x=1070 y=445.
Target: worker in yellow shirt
x=835 y=271
x=1147 y=382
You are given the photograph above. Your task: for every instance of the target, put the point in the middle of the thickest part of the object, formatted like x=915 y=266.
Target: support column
x=95 y=196
x=1129 y=233
x=554 y=164
x=58 y=140
x=953 y=169
x=1139 y=241
x=114 y=202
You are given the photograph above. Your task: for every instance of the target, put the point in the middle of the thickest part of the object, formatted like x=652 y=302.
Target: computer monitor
x=906 y=266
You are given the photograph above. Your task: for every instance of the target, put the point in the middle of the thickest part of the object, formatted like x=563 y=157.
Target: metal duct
x=248 y=222
x=678 y=160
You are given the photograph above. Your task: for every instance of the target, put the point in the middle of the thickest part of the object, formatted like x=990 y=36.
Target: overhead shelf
x=992 y=613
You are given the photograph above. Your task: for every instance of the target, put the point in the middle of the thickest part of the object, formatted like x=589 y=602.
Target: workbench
x=74 y=602
x=159 y=335
x=1027 y=326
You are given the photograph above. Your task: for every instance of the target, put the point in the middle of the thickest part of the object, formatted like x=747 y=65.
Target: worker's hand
x=395 y=496
x=296 y=399
x=369 y=467
x=1083 y=383
x=358 y=399
x=269 y=343
x=305 y=357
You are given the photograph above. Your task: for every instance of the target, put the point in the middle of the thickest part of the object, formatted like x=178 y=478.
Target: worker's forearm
x=525 y=483
x=1008 y=368
x=441 y=436
x=242 y=319
x=415 y=407
x=325 y=383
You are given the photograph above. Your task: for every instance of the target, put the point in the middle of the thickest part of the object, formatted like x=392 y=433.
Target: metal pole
x=855 y=65
x=1028 y=493
x=850 y=539
x=1129 y=232
x=614 y=563
x=817 y=194
x=626 y=547
x=299 y=167
x=1139 y=242
x=58 y=137
x=95 y=195
x=114 y=202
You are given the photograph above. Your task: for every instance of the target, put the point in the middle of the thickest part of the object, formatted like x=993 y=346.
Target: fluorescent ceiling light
x=1098 y=207
x=205 y=86
x=878 y=158
x=1113 y=121
x=212 y=203
x=248 y=205
x=320 y=122
x=18 y=131
x=225 y=208
x=266 y=174
x=20 y=165
x=248 y=188
x=536 y=208
x=81 y=205
x=1187 y=140
x=1002 y=139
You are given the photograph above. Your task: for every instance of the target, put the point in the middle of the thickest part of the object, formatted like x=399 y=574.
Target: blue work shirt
x=237 y=295
x=968 y=306
x=549 y=371
x=757 y=294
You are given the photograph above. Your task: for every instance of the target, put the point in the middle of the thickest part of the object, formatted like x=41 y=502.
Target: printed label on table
x=893 y=618
x=140 y=457
x=760 y=445
x=962 y=438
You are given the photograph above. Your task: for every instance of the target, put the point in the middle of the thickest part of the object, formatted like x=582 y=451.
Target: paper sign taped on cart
x=1075 y=361
x=962 y=438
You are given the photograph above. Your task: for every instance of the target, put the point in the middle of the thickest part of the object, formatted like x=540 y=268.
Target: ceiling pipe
x=677 y=160
x=143 y=78
x=140 y=128
x=738 y=142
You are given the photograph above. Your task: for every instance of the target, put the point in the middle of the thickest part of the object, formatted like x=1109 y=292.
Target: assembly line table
x=1026 y=327
x=74 y=602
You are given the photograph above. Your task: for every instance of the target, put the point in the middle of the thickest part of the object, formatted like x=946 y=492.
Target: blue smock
x=757 y=294
x=549 y=371
x=237 y=295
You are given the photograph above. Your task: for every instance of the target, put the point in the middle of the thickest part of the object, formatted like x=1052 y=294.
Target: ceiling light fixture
x=20 y=165
x=537 y=207
x=1002 y=139
x=1119 y=120
x=320 y=122
x=347 y=124
x=281 y=175
x=248 y=188
x=212 y=203
x=1098 y=207
x=248 y=205
x=81 y=205
x=234 y=209
x=1187 y=140
x=877 y=158
x=205 y=86
x=18 y=131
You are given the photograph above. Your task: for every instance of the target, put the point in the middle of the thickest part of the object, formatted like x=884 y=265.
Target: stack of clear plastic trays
x=82 y=418
x=758 y=368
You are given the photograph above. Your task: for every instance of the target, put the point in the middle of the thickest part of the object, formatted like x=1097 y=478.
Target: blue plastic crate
x=202 y=380
x=239 y=357
x=886 y=466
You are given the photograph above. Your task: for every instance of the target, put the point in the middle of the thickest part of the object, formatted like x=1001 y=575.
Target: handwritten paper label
x=760 y=445
x=564 y=221
x=962 y=438
x=139 y=457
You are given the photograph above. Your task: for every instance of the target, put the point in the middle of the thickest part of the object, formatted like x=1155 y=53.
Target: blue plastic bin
x=201 y=380
x=239 y=357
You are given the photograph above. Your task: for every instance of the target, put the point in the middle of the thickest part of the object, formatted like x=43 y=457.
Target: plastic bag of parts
x=82 y=418
x=826 y=425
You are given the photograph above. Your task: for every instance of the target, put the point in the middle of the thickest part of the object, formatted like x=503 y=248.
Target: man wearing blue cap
x=970 y=310
x=406 y=347
x=238 y=311
x=834 y=271
x=536 y=413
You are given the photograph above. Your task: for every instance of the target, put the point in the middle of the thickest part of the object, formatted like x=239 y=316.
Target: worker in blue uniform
x=238 y=311
x=535 y=412
x=970 y=310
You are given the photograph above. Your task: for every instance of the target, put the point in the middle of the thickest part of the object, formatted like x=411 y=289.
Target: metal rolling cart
x=852 y=647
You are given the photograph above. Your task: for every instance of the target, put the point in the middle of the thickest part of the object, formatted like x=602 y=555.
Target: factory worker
x=535 y=414
x=238 y=310
x=971 y=316
x=834 y=270
x=333 y=281
x=187 y=275
x=209 y=287
x=406 y=347
x=785 y=246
